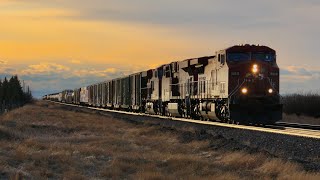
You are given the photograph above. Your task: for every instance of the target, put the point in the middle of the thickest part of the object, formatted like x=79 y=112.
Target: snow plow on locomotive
x=239 y=84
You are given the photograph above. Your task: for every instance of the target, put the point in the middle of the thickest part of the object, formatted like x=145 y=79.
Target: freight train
x=238 y=84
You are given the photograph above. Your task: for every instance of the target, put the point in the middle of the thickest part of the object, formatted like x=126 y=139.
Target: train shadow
x=273 y=127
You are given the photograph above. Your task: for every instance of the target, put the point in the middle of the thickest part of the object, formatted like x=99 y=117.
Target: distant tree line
x=12 y=94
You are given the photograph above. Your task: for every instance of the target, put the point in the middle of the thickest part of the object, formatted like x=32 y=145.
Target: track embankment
x=46 y=140
x=301 y=145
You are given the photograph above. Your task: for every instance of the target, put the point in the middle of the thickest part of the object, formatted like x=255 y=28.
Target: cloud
x=75 y=62
x=295 y=79
x=178 y=12
x=110 y=70
x=3 y=62
x=7 y=69
x=98 y=73
x=39 y=13
x=297 y=70
x=45 y=68
x=46 y=77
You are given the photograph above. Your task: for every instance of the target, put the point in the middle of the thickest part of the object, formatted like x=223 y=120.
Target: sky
x=63 y=44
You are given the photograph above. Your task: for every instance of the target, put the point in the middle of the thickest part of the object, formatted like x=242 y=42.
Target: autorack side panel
x=76 y=98
x=110 y=94
x=100 y=95
x=91 y=95
x=138 y=89
x=114 y=93
x=63 y=96
x=125 y=93
x=105 y=94
x=135 y=83
x=70 y=96
x=105 y=99
x=117 y=93
x=93 y=100
x=96 y=101
x=84 y=95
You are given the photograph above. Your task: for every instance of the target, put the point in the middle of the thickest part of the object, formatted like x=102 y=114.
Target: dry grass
x=302 y=108
x=42 y=141
x=293 y=118
x=302 y=104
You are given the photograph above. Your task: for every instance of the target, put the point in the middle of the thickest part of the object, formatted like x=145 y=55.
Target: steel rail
x=297 y=125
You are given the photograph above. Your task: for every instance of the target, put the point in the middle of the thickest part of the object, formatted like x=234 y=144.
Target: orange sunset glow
x=69 y=42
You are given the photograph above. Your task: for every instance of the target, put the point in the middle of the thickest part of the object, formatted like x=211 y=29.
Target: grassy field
x=302 y=104
x=42 y=140
x=302 y=108
x=293 y=118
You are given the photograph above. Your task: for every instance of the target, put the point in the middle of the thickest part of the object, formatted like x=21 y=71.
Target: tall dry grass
x=44 y=140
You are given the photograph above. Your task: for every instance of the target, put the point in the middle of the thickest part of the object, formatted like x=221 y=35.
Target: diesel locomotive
x=238 y=84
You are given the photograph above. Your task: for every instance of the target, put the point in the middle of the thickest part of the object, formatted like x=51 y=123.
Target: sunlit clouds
x=75 y=62
x=45 y=68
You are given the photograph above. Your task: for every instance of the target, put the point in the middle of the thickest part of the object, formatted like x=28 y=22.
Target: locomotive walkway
x=291 y=131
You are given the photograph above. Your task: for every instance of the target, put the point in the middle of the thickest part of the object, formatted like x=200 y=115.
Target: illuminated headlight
x=270 y=91
x=255 y=68
x=244 y=90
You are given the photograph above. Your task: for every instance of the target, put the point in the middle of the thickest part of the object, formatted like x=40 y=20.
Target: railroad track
x=297 y=125
x=291 y=129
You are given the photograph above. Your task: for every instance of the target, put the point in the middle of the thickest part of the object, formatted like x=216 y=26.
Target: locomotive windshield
x=238 y=56
x=242 y=56
x=268 y=57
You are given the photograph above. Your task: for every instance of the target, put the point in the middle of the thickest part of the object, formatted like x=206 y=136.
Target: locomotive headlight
x=244 y=90
x=270 y=91
x=255 y=68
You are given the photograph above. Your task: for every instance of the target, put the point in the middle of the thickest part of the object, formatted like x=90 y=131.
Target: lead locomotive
x=240 y=83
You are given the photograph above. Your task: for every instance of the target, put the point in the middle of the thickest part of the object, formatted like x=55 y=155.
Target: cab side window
x=223 y=58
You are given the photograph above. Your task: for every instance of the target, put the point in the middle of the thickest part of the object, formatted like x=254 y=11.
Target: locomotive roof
x=249 y=48
x=203 y=57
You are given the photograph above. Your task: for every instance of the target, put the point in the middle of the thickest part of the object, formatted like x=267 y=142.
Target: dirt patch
x=4 y=135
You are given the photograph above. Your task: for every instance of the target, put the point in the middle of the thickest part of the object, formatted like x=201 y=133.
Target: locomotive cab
x=253 y=84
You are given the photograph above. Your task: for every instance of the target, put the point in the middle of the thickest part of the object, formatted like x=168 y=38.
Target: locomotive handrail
x=274 y=87
x=235 y=90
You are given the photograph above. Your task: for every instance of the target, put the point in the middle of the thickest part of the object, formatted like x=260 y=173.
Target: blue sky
x=57 y=44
